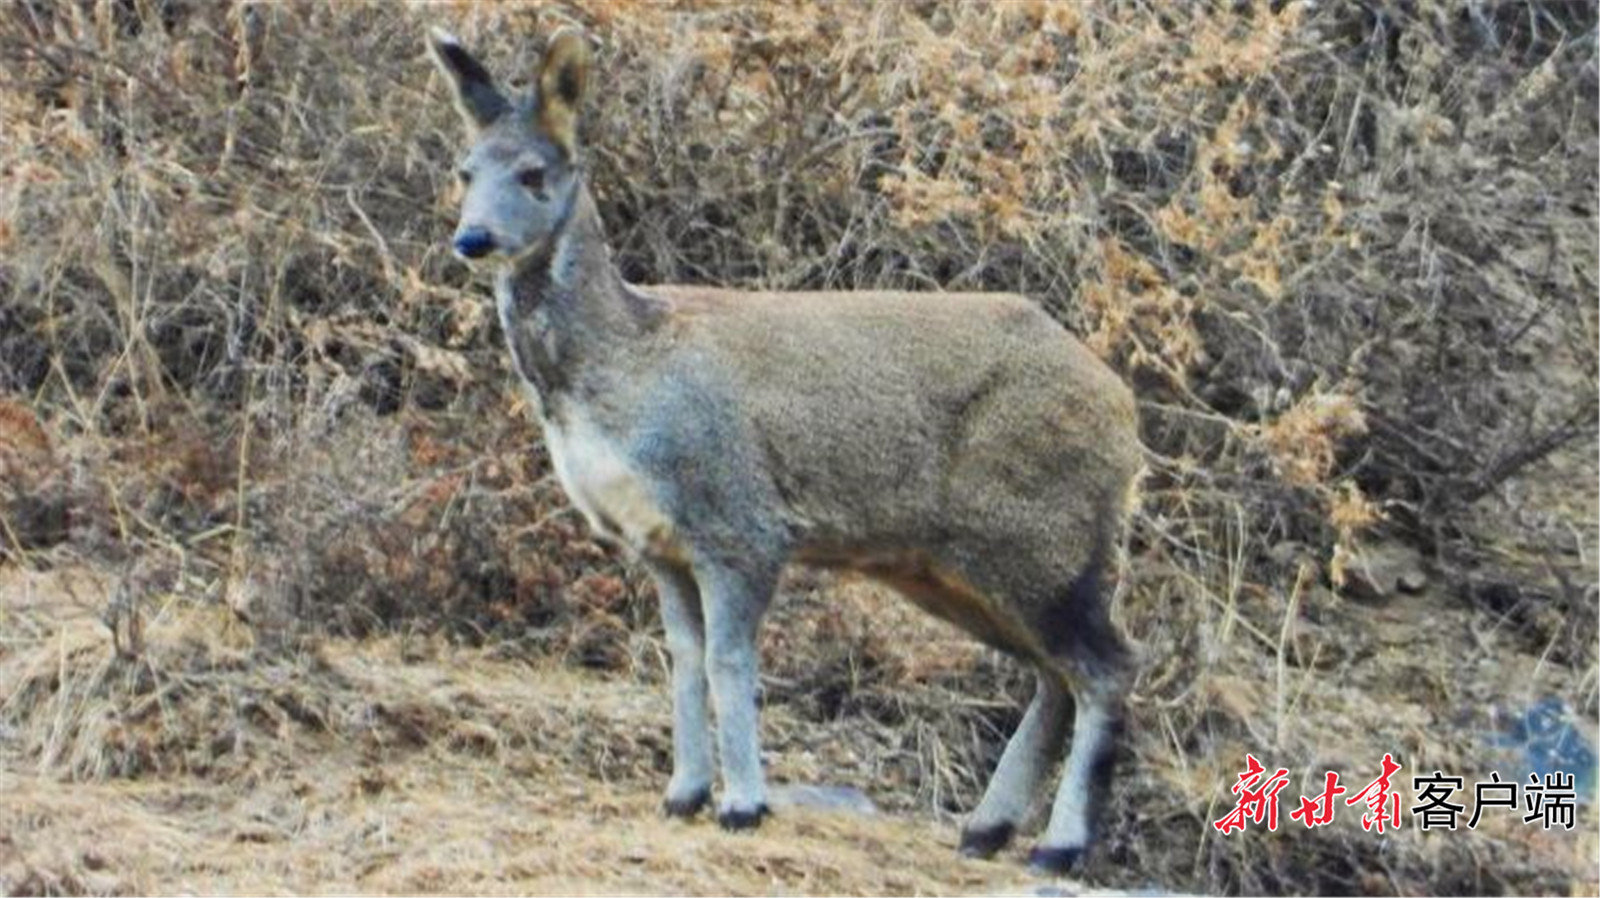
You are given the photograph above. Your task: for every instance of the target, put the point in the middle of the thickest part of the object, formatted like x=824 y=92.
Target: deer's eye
x=464 y=176
x=531 y=178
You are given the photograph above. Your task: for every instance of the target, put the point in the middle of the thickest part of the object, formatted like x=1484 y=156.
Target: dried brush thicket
x=1345 y=253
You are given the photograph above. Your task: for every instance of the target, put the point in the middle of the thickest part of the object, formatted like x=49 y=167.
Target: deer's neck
x=566 y=311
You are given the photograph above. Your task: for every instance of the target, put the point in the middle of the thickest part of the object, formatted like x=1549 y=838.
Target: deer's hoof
x=984 y=841
x=733 y=819
x=1055 y=861
x=688 y=805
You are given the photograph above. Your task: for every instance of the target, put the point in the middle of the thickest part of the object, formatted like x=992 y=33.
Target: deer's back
x=887 y=414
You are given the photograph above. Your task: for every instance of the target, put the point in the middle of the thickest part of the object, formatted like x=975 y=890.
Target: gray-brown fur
x=963 y=448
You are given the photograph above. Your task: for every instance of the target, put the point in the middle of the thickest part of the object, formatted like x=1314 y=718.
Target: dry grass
x=386 y=765
x=1346 y=255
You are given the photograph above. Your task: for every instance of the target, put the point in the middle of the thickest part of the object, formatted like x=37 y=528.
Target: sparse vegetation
x=262 y=474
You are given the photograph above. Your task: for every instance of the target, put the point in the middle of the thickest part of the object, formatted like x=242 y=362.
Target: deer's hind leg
x=1091 y=658
x=1013 y=790
x=1079 y=653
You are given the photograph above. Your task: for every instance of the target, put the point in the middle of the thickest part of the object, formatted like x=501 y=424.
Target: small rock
x=1412 y=581
x=1376 y=573
x=822 y=798
x=1288 y=552
x=93 y=860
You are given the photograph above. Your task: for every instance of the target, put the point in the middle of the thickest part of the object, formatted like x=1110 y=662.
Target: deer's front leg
x=733 y=601
x=690 y=787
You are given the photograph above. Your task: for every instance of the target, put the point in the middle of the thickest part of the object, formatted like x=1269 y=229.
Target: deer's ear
x=479 y=101
x=562 y=78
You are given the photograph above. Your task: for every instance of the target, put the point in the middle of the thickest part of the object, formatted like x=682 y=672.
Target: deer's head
x=520 y=176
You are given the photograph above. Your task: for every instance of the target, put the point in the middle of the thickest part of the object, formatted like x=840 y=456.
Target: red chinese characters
x=1383 y=804
x=1314 y=812
x=1258 y=801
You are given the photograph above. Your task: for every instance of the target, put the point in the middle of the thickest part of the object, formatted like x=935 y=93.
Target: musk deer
x=962 y=448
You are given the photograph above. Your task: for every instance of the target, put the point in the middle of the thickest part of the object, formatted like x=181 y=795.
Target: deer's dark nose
x=474 y=243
